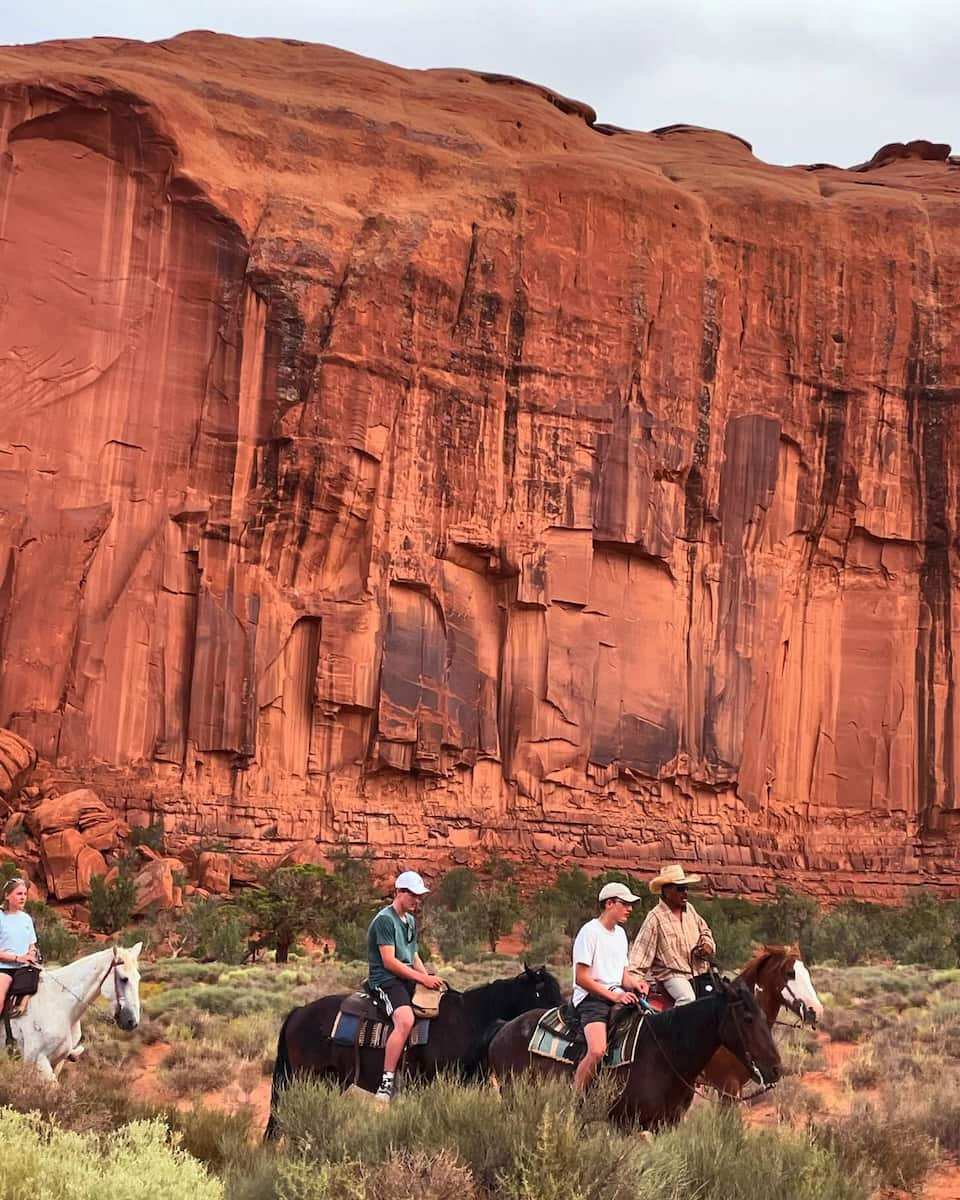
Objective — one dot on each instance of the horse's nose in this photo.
(128, 1021)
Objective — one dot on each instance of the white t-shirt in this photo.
(17, 934)
(605, 952)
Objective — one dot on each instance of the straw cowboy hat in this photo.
(672, 874)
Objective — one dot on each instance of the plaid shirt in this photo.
(663, 946)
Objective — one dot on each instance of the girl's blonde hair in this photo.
(11, 886)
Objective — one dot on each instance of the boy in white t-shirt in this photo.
(600, 976)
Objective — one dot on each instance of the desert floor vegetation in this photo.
(187, 1094)
(870, 1101)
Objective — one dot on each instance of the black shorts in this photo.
(399, 993)
(592, 1009)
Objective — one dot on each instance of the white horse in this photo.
(49, 1032)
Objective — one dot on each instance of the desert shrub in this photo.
(932, 1105)
(789, 920)
(141, 1159)
(150, 836)
(455, 890)
(211, 1136)
(734, 925)
(251, 1036)
(182, 971)
(194, 1066)
(570, 900)
(214, 930)
(455, 936)
(57, 944)
(717, 1158)
(894, 1143)
(545, 939)
(86, 1103)
(111, 904)
(799, 1051)
(850, 933)
(796, 1103)
(17, 835)
(863, 1071)
(846, 1025)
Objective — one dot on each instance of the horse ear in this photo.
(527, 968)
(135, 950)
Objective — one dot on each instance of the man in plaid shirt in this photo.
(674, 942)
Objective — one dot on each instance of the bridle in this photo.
(734, 1003)
(793, 1002)
(111, 970)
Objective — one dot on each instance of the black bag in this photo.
(25, 981)
(705, 985)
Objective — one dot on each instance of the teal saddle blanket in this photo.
(559, 1036)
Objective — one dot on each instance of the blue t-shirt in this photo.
(388, 928)
(17, 934)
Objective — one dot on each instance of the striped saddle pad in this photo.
(360, 1024)
(561, 1039)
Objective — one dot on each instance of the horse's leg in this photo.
(45, 1068)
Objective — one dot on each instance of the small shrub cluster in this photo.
(142, 1159)
(111, 904)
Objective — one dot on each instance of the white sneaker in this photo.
(384, 1093)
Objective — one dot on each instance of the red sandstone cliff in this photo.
(399, 455)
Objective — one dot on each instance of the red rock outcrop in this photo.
(17, 761)
(402, 456)
(69, 864)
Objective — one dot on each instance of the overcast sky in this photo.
(807, 81)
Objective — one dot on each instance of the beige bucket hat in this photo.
(672, 874)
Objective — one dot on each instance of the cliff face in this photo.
(400, 456)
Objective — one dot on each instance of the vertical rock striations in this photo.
(402, 456)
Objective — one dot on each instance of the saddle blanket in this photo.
(360, 1023)
(562, 1039)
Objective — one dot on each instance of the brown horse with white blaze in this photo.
(779, 979)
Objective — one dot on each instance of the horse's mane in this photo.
(761, 956)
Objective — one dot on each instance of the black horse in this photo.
(458, 1035)
(672, 1050)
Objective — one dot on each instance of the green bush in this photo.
(139, 1160)
(455, 935)
(214, 930)
(111, 904)
(150, 836)
(57, 944)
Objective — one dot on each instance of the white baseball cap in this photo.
(410, 881)
(617, 891)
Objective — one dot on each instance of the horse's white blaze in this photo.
(49, 1033)
(801, 988)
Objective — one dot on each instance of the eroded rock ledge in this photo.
(398, 456)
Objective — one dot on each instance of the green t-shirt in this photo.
(388, 928)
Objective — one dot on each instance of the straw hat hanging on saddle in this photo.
(672, 874)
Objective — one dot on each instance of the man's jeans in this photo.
(680, 988)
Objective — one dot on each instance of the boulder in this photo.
(213, 872)
(308, 853)
(81, 810)
(17, 760)
(69, 864)
(155, 888)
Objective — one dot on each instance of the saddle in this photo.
(559, 1035)
(362, 1021)
(23, 985)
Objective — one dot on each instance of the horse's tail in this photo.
(282, 1078)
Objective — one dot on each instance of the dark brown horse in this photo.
(778, 978)
(672, 1050)
(458, 1035)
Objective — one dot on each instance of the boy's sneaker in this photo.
(384, 1092)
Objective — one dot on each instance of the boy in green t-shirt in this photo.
(396, 967)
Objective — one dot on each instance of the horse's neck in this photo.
(768, 996)
(83, 979)
(689, 1035)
